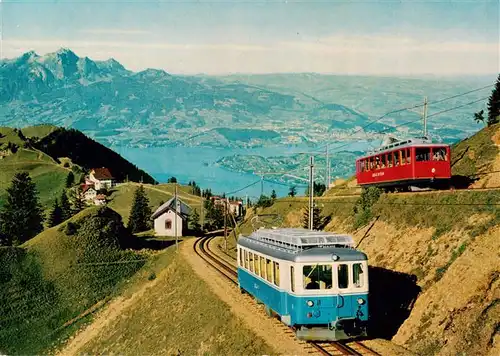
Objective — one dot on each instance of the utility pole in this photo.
(424, 115)
(261, 185)
(327, 172)
(175, 220)
(225, 224)
(201, 212)
(311, 191)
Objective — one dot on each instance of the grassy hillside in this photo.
(49, 177)
(123, 195)
(166, 315)
(47, 285)
(479, 156)
(47, 153)
(38, 130)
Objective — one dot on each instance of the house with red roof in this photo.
(88, 192)
(101, 178)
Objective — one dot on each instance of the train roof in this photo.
(301, 245)
(419, 141)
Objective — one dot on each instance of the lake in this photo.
(199, 164)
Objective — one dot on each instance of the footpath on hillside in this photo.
(166, 310)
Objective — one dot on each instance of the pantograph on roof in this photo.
(294, 239)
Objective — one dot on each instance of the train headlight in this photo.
(361, 301)
(310, 303)
(335, 257)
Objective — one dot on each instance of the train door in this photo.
(344, 307)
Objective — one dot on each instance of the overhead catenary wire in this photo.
(407, 109)
(335, 149)
(435, 114)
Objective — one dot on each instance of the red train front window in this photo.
(439, 154)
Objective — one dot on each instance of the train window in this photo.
(246, 259)
(251, 261)
(269, 270)
(343, 276)
(292, 279)
(389, 158)
(377, 162)
(357, 275)
(317, 277)
(408, 156)
(276, 271)
(422, 154)
(241, 257)
(384, 161)
(262, 267)
(403, 157)
(439, 154)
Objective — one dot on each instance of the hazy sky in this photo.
(349, 37)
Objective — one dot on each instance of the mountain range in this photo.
(154, 108)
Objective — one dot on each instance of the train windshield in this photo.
(357, 275)
(317, 276)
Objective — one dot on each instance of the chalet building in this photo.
(166, 217)
(101, 178)
(234, 207)
(88, 192)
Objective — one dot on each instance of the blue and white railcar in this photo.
(313, 280)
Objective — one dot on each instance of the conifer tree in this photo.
(76, 200)
(494, 104)
(273, 195)
(56, 215)
(140, 212)
(292, 192)
(70, 179)
(194, 222)
(21, 216)
(319, 222)
(65, 207)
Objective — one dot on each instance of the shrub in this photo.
(363, 207)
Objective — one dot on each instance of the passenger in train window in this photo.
(439, 155)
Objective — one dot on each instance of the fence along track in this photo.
(223, 267)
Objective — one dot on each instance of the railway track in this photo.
(423, 192)
(228, 270)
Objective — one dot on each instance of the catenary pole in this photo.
(311, 191)
(225, 224)
(175, 220)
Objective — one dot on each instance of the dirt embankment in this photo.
(435, 294)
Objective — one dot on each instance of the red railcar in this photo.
(413, 162)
